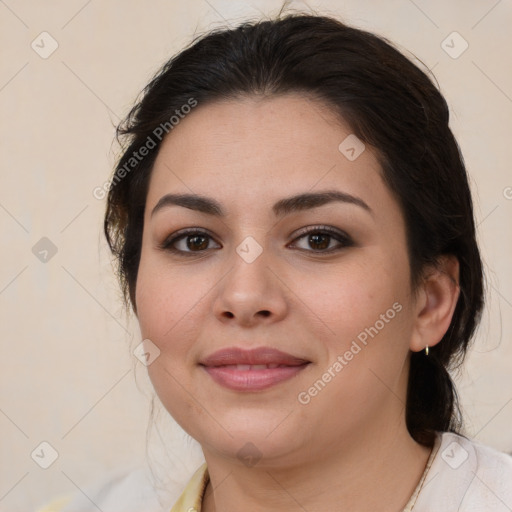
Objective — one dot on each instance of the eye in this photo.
(188, 241)
(324, 239)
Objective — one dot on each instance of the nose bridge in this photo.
(250, 275)
(250, 289)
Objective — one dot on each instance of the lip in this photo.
(222, 367)
(261, 355)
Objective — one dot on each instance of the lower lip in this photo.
(252, 380)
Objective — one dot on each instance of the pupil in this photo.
(317, 239)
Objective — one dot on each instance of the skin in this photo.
(348, 448)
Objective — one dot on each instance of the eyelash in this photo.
(338, 235)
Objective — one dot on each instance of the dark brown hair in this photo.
(389, 103)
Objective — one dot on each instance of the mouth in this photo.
(246, 367)
(244, 377)
(252, 370)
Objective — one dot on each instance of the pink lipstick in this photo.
(252, 370)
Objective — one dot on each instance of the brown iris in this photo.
(198, 242)
(321, 240)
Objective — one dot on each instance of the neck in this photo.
(376, 471)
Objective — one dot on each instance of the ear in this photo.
(435, 303)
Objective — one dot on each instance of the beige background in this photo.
(67, 375)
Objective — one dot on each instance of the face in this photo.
(324, 280)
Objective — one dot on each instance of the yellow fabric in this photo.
(56, 505)
(192, 497)
(189, 501)
(414, 497)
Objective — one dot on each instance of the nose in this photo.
(251, 293)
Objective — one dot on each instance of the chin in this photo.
(260, 443)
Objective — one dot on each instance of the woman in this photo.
(295, 234)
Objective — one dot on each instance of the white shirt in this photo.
(466, 476)
(463, 476)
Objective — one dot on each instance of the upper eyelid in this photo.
(302, 231)
(318, 227)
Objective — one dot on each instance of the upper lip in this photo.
(262, 355)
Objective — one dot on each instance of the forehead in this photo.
(252, 151)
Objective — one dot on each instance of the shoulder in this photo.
(488, 457)
(467, 476)
(490, 465)
(121, 490)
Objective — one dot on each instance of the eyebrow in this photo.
(281, 208)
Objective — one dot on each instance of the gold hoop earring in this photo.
(426, 350)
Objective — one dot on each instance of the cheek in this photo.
(367, 308)
(173, 302)
(163, 299)
(353, 299)
(166, 310)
